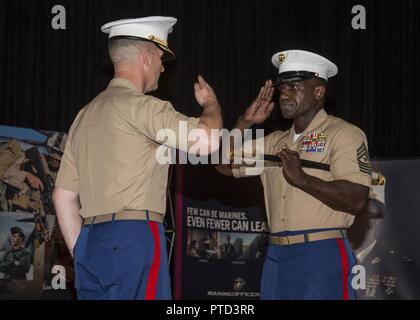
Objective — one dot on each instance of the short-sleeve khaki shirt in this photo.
(110, 154)
(328, 140)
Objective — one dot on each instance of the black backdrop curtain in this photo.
(47, 75)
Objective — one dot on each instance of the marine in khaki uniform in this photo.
(308, 208)
(110, 189)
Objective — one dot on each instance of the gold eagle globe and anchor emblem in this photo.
(282, 58)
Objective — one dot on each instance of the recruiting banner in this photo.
(34, 261)
(220, 247)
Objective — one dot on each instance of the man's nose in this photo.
(284, 95)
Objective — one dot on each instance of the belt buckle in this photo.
(284, 241)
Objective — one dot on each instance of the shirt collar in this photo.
(316, 122)
(122, 82)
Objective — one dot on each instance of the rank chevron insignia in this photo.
(363, 159)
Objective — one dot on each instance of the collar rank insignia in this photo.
(314, 142)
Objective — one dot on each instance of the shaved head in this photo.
(138, 61)
(317, 82)
(126, 50)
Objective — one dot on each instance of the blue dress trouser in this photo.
(122, 260)
(318, 270)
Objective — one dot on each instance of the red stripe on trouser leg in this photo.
(345, 268)
(154, 269)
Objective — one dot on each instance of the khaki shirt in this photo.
(110, 153)
(11, 159)
(327, 140)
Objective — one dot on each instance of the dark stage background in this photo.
(47, 75)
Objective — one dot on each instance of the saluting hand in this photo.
(260, 109)
(204, 93)
(292, 167)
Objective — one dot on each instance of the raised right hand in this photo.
(204, 93)
(260, 109)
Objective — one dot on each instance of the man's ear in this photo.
(319, 92)
(146, 57)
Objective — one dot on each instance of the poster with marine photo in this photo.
(17, 255)
(384, 240)
(29, 163)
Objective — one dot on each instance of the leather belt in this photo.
(308, 237)
(126, 215)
